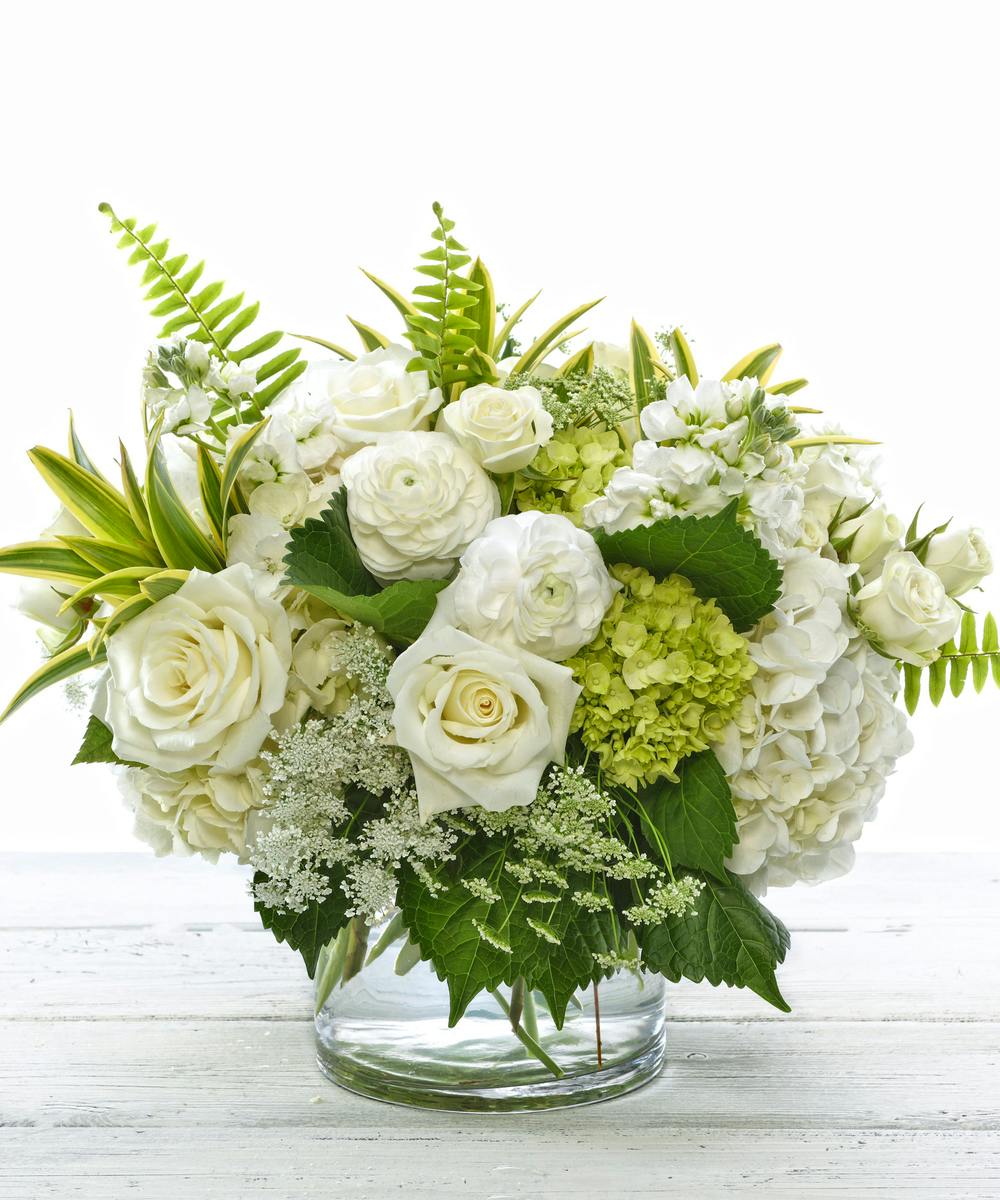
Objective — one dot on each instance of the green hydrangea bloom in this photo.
(664, 676)
(574, 468)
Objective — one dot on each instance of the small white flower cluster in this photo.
(705, 447)
(602, 397)
(182, 383)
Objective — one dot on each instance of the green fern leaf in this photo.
(207, 315)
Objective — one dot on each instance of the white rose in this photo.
(833, 480)
(874, 534)
(612, 357)
(415, 502)
(960, 558)
(194, 679)
(908, 610)
(480, 724)
(194, 811)
(532, 579)
(371, 396)
(501, 429)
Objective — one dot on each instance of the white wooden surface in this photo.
(154, 1042)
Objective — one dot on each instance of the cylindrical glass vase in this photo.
(382, 1030)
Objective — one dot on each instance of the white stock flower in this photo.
(194, 679)
(304, 415)
(415, 502)
(907, 610)
(502, 429)
(273, 456)
(316, 664)
(533, 579)
(260, 538)
(192, 811)
(960, 558)
(371, 396)
(234, 379)
(834, 480)
(480, 724)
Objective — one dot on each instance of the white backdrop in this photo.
(819, 174)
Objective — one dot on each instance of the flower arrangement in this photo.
(554, 658)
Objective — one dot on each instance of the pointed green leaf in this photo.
(694, 817)
(758, 364)
(510, 324)
(182, 544)
(550, 338)
(642, 356)
(683, 358)
(53, 670)
(47, 560)
(91, 500)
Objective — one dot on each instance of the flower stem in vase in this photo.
(526, 1040)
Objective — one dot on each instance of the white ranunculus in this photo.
(371, 396)
(534, 580)
(960, 558)
(193, 811)
(502, 429)
(480, 724)
(194, 679)
(415, 502)
(908, 610)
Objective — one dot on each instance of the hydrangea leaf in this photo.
(723, 560)
(555, 956)
(323, 560)
(96, 745)
(309, 931)
(694, 816)
(322, 553)
(731, 938)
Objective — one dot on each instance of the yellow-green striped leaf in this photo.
(509, 325)
(758, 364)
(124, 612)
(484, 313)
(402, 305)
(123, 583)
(788, 388)
(93, 502)
(46, 560)
(162, 584)
(182, 544)
(231, 468)
(134, 498)
(77, 452)
(210, 486)
(580, 363)
(683, 358)
(371, 339)
(318, 341)
(61, 666)
(642, 355)
(550, 338)
(103, 555)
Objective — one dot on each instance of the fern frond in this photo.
(445, 327)
(204, 312)
(950, 672)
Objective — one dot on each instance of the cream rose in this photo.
(194, 679)
(501, 429)
(534, 580)
(194, 811)
(907, 610)
(960, 559)
(480, 724)
(361, 400)
(415, 502)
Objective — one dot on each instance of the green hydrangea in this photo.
(571, 470)
(664, 676)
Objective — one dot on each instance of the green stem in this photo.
(527, 1041)
(530, 1014)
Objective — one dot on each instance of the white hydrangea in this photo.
(809, 754)
(705, 447)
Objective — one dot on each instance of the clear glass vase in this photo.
(382, 1030)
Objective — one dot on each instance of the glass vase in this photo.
(382, 1031)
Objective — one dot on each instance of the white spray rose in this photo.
(480, 724)
(907, 610)
(194, 679)
(193, 811)
(369, 397)
(534, 580)
(960, 558)
(874, 535)
(501, 429)
(415, 502)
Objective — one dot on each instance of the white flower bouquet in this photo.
(544, 661)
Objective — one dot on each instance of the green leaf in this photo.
(485, 312)
(371, 339)
(399, 612)
(642, 356)
(96, 745)
(47, 560)
(402, 305)
(90, 499)
(550, 338)
(510, 325)
(721, 559)
(321, 552)
(580, 363)
(308, 932)
(53, 670)
(731, 938)
(695, 816)
(104, 556)
(788, 388)
(911, 687)
(180, 540)
(318, 341)
(759, 364)
(77, 452)
(683, 358)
